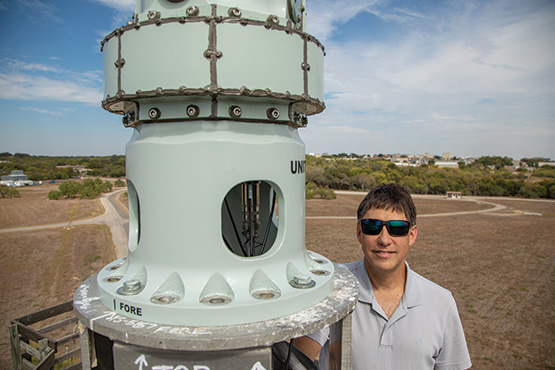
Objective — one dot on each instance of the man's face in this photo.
(383, 253)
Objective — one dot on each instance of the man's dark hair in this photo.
(389, 197)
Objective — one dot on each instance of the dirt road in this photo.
(114, 217)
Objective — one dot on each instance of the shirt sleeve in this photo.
(321, 336)
(454, 353)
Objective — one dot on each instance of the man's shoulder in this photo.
(429, 287)
(355, 266)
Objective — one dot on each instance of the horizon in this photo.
(470, 78)
(548, 159)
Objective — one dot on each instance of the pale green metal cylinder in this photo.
(215, 94)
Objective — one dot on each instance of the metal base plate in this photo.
(100, 319)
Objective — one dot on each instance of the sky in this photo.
(467, 77)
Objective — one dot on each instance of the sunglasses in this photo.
(371, 226)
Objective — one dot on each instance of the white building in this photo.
(15, 179)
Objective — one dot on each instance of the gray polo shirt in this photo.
(424, 332)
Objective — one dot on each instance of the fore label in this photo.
(127, 308)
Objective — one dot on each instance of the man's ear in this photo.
(359, 232)
(413, 233)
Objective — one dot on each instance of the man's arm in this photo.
(308, 346)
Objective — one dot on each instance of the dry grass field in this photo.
(42, 268)
(34, 208)
(499, 265)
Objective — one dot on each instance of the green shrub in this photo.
(8, 192)
(54, 195)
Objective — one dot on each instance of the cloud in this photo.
(325, 16)
(32, 81)
(59, 112)
(458, 72)
(121, 5)
(27, 87)
(46, 11)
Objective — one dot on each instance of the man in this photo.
(401, 320)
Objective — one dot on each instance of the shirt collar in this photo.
(412, 296)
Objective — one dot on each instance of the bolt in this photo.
(235, 111)
(192, 11)
(272, 113)
(165, 298)
(193, 111)
(216, 300)
(266, 294)
(113, 279)
(234, 12)
(320, 272)
(132, 285)
(153, 14)
(302, 280)
(154, 113)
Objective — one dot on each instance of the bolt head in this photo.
(132, 285)
(192, 11)
(302, 279)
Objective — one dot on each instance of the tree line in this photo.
(42, 168)
(88, 189)
(486, 176)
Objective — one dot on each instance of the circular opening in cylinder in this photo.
(250, 218)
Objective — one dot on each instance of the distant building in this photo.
(16, 178)
(81, 169)
(454, 195)
(451, 164)
(405, 164)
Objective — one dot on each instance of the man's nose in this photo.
(384, 238)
